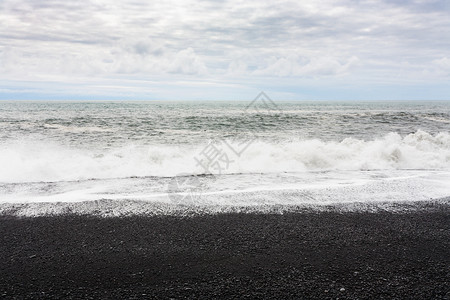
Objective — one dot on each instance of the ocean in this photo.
(213, 156)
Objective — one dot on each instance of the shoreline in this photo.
(309, 254)
(129, 208)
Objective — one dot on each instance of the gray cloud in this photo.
(224, 39)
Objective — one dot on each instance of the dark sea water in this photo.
(259, 153)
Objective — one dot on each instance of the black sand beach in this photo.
(352, 255)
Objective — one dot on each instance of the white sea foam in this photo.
(36, 161)
(350, 190)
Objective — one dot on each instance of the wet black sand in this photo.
(352, 255)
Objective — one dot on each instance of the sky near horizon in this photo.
(225, 50)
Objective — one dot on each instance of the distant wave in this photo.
(34, 161)
(76, 129)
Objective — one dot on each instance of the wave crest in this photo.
(41, 161)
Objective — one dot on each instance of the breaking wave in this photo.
(35, 161)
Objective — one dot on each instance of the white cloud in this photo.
(439, 67)
(313, 67)
(442, 63)
(187, 62)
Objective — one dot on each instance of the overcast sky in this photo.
(137, 49)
